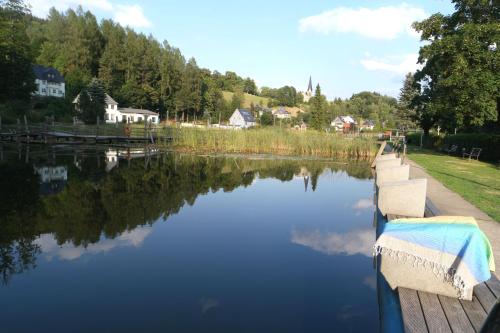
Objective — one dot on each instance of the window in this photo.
(54, 91)
(153, 119)
(44, 90)
(107, 116)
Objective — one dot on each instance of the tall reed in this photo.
(272, 141)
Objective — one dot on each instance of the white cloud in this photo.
(132, 16)
(398, 65)
(68, 251)
(41, 8)
(351, 243)
(363, 204)
(380, 23)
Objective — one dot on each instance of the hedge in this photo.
(489, 143)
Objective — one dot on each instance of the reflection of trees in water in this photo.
(129, 196)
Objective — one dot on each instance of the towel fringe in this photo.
(448, 274)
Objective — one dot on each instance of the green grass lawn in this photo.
(228, 95)
(477, 182)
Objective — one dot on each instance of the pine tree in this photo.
(406, 112)
(91, 102)
(319, 119)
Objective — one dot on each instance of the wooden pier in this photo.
(424, 312)
(55, 133)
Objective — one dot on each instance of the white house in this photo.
(49, 82)
(114, 114)
(343, 122)
(281, 113)
(242, 118)
(368, 125)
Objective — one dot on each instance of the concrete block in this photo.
(389, 156)
(393, 162)
(405, 197)
(393, 174)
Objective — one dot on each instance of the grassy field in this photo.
(272, 141)
(477, 182)
(248, 99)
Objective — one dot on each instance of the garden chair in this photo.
(452, 149)
(474, 153)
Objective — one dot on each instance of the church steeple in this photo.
(310, 86)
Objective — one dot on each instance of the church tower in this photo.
(308, 94)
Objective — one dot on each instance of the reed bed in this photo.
(272, 141)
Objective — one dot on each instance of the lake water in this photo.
(110, 240)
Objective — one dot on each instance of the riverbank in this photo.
(272, 141)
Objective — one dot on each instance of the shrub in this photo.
(489, 143)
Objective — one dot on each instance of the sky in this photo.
(345, 46)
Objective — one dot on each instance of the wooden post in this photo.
(18, 129)
(97, 129)
(145, 127)
(26, 129)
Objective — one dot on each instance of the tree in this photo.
(91, 102)
(266, 119)
(319, 119)
(406, 111)
(16, 72)
(237, 100)
(460, 78)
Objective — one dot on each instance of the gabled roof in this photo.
(281, 111)
(247, 115)
(369, 122)
(107, 99)
(48, 74)
(110, 100)
(139, 111)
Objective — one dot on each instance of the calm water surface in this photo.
(110, 240)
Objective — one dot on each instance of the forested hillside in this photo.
(137, 70)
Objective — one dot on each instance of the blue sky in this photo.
(346, 46)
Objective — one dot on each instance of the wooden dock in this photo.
(84, 134)
(424, 312)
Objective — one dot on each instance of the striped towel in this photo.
(452, 246)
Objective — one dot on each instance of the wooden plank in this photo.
(475, 312)
(380, 151)
(433, 313)
(413, 317)
(494, 285)
(455, 313)
(485, 296)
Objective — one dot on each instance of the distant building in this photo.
(343, 123)
(53, 179)
(309, 92)
(300, 127)
(49, 82)
(367, 125)
(242, 118)
(114, 114)
(281, 113)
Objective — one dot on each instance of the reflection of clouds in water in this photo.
(68, 251)
(351, 243)
(371, 282)
(207, 304)
(363, 204)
